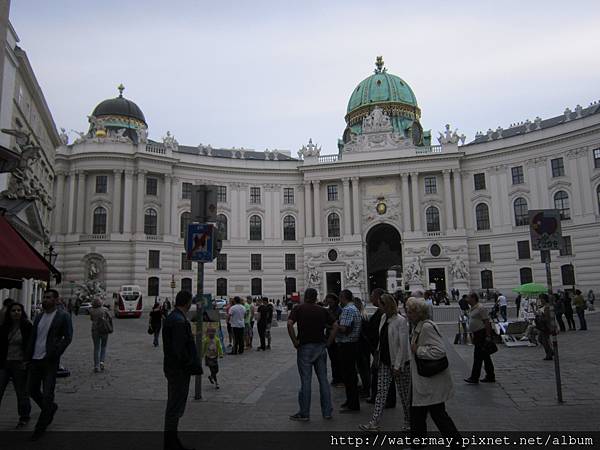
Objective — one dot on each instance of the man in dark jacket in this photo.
(52, 333)
(180, 363)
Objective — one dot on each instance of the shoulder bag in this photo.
(430, 367)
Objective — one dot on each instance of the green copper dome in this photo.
(381, 87)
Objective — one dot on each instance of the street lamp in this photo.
(50, 256)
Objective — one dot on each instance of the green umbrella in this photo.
(531, 288)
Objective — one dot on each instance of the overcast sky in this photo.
(271, 74)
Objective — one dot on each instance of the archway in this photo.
(384, 252)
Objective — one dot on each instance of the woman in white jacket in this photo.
(394, 357)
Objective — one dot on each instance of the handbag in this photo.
(150, 329)
(489, 347)
(430, 367)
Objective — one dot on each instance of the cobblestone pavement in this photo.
(259, 389)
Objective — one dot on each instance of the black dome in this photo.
(119, 106)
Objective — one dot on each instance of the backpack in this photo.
(104, 324)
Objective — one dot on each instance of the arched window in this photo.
(525, 275)
(432, 217)
(521, 212)
(333, 225)
(151, 222)
(482, 216)
(255, 228)
(99, 225)
(289, 228)
(222, 226)
(256, 286)
(153, 287)
(186, 284)
(561, 202)
(487, 279)
(186, 219)
(221, 287)
(567, 273)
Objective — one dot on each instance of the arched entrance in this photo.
(384, 252)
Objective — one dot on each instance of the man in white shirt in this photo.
(503, 303)
(236, 319)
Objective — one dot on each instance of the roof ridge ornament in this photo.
(121, 88)
(379, 64)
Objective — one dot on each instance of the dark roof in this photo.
(119, 106)
(229, 153)
(521, 128)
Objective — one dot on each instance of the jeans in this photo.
(309, 356)
(348, 356)
(480, 357)
(156, 337)
(41, 384)
(100, 341)
(262, 331)
(238, 341)
(503, 313)
(418, 419)
(178, 387)
(278, 316)
(581, 316)
(14, 370)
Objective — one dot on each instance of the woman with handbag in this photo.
(101, 328)
(393, 364)
(431, 381)
(481, 328)
(156, 316)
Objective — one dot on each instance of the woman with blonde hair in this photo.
(432, 383)
(393, 361)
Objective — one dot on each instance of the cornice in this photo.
(559, 184)
(481, 196)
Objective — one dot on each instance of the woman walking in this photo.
(429, 393)
(481, 327)
(14, 336)
(278, 310)
(393, 364)
(156, 316)
(100, 330)
(545, 326)
(559, 310)
(569, 311)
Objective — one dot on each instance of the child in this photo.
(212, 350)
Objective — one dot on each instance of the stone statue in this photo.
(93, 271)
(142, 135)
(459, 269)
(377, 121)
(353, 271)
(450, 137)
(309, 150)
(170, 142)
(313, 275)
(64, 137)
(414, 271)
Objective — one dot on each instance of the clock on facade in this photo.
(381, 208)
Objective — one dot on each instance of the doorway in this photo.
(334, 282)
(384, 252)
(438, 277)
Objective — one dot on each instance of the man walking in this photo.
(503, 303)
(265, 314)
(346, 335)
(52, 333)
(311, 349)
(236, 318)
(180, 362)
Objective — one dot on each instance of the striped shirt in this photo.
(350, 318)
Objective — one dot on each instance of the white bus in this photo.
(128, 302)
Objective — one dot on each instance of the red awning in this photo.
(18, 259)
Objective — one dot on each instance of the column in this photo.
(166, 212)
(58, 201)
(233, 223)
(268, 230)
(496, 203)
(575, 195)
(347, 224)
(139, 201)
(80, 203)
(301, 204)
(506, 206)
(116, 208)
(532, 181)
(405, 203)
(458, 198)
(175, 230)
(244, 221)
(308, 211)
(416, 205)
(317, 206)
(584, 180)
(448, 200)
(277, 225)
(542, 176)
(128, 201)
(356, 205)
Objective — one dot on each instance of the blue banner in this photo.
(199, 244)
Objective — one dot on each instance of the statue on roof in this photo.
(170, 142)
(64, 137)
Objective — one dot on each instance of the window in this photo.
(290, 261)
(255, 195)
(558, 167)
(101, 184)
(288, 196)
(485, 253)
(153, 287)
(289, 228)
(151, 186)
(221, 287)
(561, 202)
(479, 181)
(517, 175)
(487, 280)
(222, 261)
(186, 191)
(567, 273)
(255, 261)
(256, 286)
(430, 185)
(290, 285)
(255, 228)
(186, 219)
(332, 192)
(186, 284)
(99, 222)
(222, 226)
(597, 158)
(521, 212)
(523, 250)
(333, 225)
(222, 194)
(482, 216)
(525, 275)
(566, 248)
(186, 264)
(432, 216)
(151, 222)
(154, 259)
